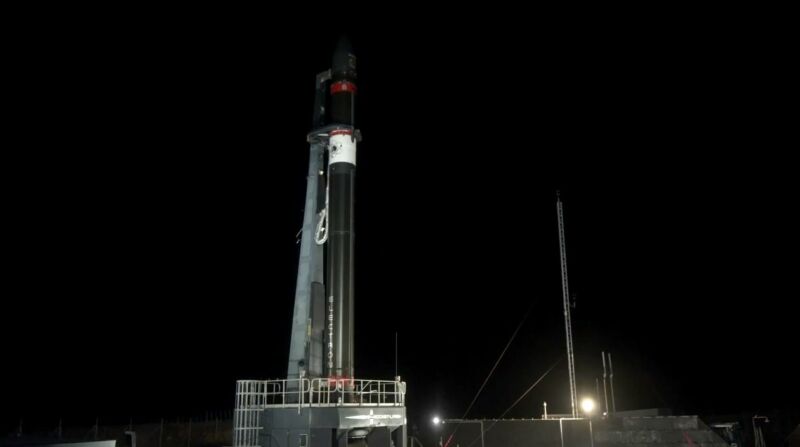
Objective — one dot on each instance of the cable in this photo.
(321, 235)
(502, 354)
(322, 229)
(520, 398)
(531, 387)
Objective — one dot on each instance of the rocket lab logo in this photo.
(372, 417)
(330, 332)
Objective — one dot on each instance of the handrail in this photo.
(252, 394)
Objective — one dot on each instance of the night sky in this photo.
(155, 185)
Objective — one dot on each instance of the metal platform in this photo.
(319, 413)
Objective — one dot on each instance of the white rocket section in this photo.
(342, 149)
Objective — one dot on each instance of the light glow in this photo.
(587, 405)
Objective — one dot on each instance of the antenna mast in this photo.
(567, 319)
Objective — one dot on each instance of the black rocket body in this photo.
(341, 212)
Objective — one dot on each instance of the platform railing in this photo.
(257, 394)
(253, 396)
(356, 392)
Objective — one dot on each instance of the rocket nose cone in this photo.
(344, 61)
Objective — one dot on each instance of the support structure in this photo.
(306, 351)
(605, 376)
(611, 382)
(567, 317)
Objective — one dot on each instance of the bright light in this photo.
(587, 405)
(436, 420)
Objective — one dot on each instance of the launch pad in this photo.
(319, 413)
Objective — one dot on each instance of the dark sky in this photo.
(154, 185)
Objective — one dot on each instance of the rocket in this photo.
(320, 376)
(341, 209)
(322, 328)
